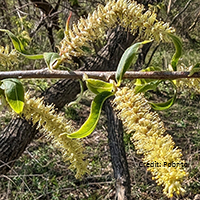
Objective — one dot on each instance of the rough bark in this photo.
(19, 133)
(13, 141)
(51, 19)
(49, 11)
(118, 154)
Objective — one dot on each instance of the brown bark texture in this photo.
(118, 154)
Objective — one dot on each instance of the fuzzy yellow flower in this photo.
(160, 156)
(8, 58)
(188, 84)
(128, 14)
(56, 127)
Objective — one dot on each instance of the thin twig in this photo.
(186, 6)
(102, 75)
(154, 51)
(195, 22)
(19, 177)
(169, 6)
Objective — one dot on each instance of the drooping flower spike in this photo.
(150, 139)
(54, 125)
(128, 14)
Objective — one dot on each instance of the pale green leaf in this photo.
(147, 86)
(16, 42)
(52, 59)
(98, 86)
(167, 104)
(33, 57)
(143, 85)
(163, 105)
(128, 58)
(14, 93)
(178, 46)
(19, 46)
(195, 69)
(88, 127)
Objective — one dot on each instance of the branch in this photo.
(186, 6)
(45, 73)
(195, 22)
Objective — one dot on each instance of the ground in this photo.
(40, 173)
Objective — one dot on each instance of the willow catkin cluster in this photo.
(150, 139)
(56, 127)
(188, 84)
(7, 57)
(129, 14)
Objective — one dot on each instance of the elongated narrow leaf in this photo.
(16, 42)
(194, 69)
(128, 58)
(51, 59)
(33, 57)
(147, 86)
(163, 105)
(19, 46)
(178, 45)
(14, 93)
(167, 104)
(88, 127)
(97, 86)
(143, 85)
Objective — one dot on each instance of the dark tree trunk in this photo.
(13, 141)
(51, 21)
(118, 154)
(49, 11)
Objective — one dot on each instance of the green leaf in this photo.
(178, 45)
(147, 86)
(195, 69)
(165, 105)
(14, 93)
(19, 46)
(98, 86)
(1, 90)
(33, 57)
(16, 42)
(128, 57)
(52, 59)
(143, 85)
(88, 127)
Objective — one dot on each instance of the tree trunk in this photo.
(118, 154)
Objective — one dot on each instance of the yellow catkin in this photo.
(188, 84)
(128, 14)
(56, 127)
(8, 58)
(150, 140)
